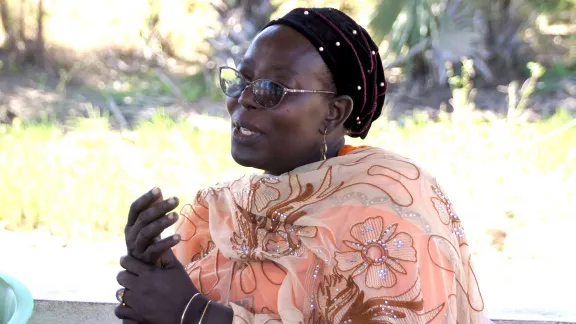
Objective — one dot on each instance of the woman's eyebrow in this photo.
(276, 68)
(284, 68)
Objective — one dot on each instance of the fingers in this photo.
(133, 265)
(141, 204)
(124, 312)
(153, 213)
(126, 280)
(146, 236)
(158, 249)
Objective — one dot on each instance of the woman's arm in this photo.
(155, 289)
(202, 312)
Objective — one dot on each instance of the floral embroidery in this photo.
(247, 243)
(340, 300)
(252, 237)
(447, 215)
(203, 251)
(289, 241)
(376, 251)
(265, 193)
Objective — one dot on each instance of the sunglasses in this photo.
(267, 93)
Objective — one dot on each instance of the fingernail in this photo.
(172, 201)
(176, 237)
(156, 191)
(171, 216)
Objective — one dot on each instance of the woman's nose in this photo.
(246, 98)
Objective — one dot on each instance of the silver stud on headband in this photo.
(358, 121)
(381, 84)
(321, 49)
(306, 12)
(337, 43)
(373, 53)
(354, 32)
(359, 88)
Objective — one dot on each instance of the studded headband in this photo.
(351, 56)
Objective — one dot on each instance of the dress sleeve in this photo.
(193, 228)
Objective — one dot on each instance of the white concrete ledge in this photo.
(63, 312)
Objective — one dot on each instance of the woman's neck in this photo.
(333, 150)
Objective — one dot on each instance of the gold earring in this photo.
(324, 148)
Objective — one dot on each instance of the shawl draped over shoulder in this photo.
(365, 237)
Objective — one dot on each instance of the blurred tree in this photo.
(426, 34)
(10, 41)
(158, 46)
(553, 6)
(21, 47)
(239, 21)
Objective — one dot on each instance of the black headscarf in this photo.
(352, 57)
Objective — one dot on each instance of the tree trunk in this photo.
(39, 57)
(22, 22)
(508, 52)
(6, 25)
(24, 49)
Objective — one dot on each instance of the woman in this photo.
(329, 233)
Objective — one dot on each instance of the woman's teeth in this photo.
(246, 132)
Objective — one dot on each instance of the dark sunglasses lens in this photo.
(268, 93)
(231, 82)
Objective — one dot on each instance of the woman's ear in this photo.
(339, 111)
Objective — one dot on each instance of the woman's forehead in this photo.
(281, 49)
(284, 67)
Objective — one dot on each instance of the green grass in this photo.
(80, 183)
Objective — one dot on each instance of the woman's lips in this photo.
(245, 134)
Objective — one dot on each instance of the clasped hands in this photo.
(157, 287)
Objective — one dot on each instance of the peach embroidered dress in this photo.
(365, 237)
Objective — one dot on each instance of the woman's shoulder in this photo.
(375, 154)
(370, 172)
(387, 180)
(381, 166)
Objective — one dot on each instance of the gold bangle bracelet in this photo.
(186, 309)
(204, 312)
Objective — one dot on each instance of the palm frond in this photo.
(384, 17)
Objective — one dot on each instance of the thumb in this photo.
(161, 252)
(168, 259)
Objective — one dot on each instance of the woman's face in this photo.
(291, 134)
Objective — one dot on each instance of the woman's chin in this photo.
(247, 159)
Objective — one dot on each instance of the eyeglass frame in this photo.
(250, 83)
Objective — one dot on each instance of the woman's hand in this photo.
(154, 295)
(157, 287)
(147, 219)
